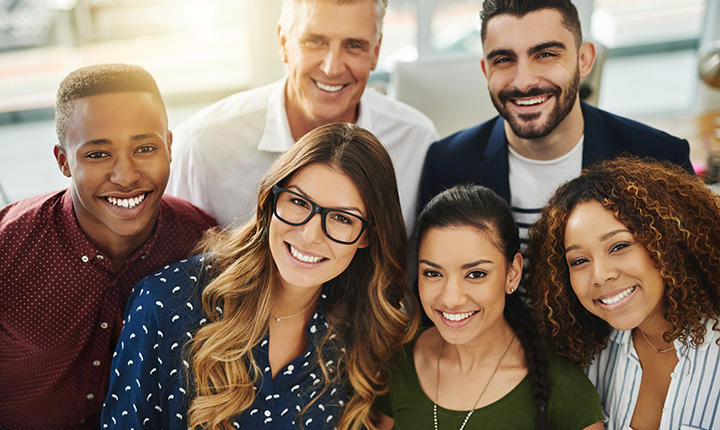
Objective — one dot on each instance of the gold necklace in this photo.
(657, 350)
(437, 388)
(278, 319)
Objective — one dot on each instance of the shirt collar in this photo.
(86, 250)
(277, 137)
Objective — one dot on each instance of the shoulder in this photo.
(226, 114)
(397, 112)
(30, 213)
(628, 132)
(473, 138)
(175, 287)
(184, 214)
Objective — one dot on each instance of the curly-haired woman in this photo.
(625, 273)
(286, 321)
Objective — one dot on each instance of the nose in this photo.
(603, 272)
(452, 295)
(526, 75)
(312, 231)
(125, 171)
(333, 63)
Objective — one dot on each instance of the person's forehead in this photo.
(321, 16)
(532, 28)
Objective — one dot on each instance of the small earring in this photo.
(512, 290)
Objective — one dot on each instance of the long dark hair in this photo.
(481, 208)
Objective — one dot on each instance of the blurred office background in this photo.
(202, 50)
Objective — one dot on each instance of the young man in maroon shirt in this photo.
(69, 259)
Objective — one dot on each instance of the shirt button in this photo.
(144, 256)
(672, 375)
(96, 363)
(85, 259)
(82, 421)
(103, 325)
(90, 396)
(100, 257)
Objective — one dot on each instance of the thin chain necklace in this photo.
(437, 388)
(278, 319)
(658, 350)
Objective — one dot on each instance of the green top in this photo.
(574, 403)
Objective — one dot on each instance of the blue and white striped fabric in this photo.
(693, 399)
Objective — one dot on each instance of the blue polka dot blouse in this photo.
(148, 386)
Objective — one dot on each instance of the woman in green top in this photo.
(482, 365)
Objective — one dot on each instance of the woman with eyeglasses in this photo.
(285, 322)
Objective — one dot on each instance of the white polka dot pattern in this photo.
(61, 307)
(148, 381)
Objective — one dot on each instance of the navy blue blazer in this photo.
(479, 155)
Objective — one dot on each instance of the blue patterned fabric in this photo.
(148, 386)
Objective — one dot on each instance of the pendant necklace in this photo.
(278, 319)
(437, 388)
(657, 350)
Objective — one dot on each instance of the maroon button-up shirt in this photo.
(62, 306)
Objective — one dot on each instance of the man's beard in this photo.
(521, 124)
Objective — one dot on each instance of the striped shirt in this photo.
(693, 398)
(533, 182)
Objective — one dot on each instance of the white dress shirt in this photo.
(220, 153)
(693, 398)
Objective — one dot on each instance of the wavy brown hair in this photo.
(364, 307)
(670, 212)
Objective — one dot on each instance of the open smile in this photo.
(303, 258)
(532, 101)
(329, 88)
(126, 202)
(456, 319)
(616, 298)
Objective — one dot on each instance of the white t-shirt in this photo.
(533, 182)
(220, 153)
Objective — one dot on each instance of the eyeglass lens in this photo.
(341, 226)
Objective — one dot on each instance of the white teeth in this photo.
(305, 258)
(530, 102)
(126, 203)
(613, 300)
(457, 317)
(330, 88)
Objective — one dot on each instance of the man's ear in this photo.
(586, 58)
(282, 40)
(62, 160)
(169, 143)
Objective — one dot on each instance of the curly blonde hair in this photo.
(670, 212)
(364, 307)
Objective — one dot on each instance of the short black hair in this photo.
(102, 79)
(520, 8)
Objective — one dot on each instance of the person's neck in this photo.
(485, 351)
(556, 144)
(654, 328)
(301, 124)
(292, 300)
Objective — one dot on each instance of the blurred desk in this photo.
(702, 131)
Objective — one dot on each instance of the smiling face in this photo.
(463, 279)
(117, 155)
(612, 274)
(533, 68)
(330, 50)
(304, 255)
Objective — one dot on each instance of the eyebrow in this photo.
(603, 238)
(534, 50)
(464, 266)
(343, 208)
(135, 137)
